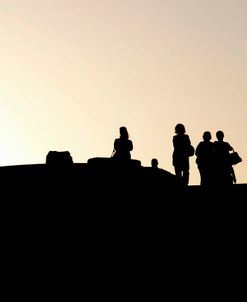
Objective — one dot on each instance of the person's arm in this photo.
(230, 148)
(174, 141)
(189, 142)
(114, 149)
(115, 146)
(234, 176)
(130, 145)
(197, 152)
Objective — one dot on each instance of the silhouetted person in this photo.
(160, 178)
(154, 163)
(224, 171)
(122, 145)
(180, 157)
(204, 159)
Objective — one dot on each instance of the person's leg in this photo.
(178, 172)
(186, 175)
(201, 176)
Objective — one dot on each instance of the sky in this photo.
(72, 72)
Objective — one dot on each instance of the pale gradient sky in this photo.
(74, 71)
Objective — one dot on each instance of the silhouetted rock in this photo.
(59, 158)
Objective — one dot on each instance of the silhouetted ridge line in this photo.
(108, 180)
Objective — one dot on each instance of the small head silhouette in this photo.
(220, 135)
(154, 163)
(207, 136)
(180, 129)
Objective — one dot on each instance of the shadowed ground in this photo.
(103, 190)
(105, 179)
(104, 220)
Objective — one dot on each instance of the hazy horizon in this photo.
(73, 72)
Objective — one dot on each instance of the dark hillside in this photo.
(103, 218)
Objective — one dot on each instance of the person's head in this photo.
(220, 135)
(207, 136)
(123, 132)
(154, 163)
(180, 129)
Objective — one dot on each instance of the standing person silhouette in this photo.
(204, 159)
(180, 157)
(225, 175)
(122, 145)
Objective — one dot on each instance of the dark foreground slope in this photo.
(102, 191)
(99, 179)
(104, 180)
(108, 227)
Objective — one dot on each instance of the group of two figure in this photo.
(212, 158)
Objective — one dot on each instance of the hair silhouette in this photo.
(180, 129)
